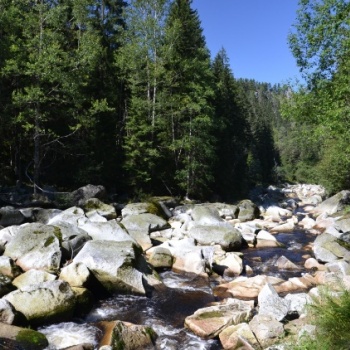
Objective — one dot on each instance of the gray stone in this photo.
(247, 210)
(266, 327)
(103, 209)
(298, 302)
(42, 303)
(36, 246)
(76, 274)
(10, 216)
(205, 215)
(112, 263)
(333, 204)
(32, 277)
(224, 234)
(271, 304)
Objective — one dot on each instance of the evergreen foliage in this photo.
(124, 94)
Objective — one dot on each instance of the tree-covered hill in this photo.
(125, 94)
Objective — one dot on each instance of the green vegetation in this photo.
(32, 339)
(124, 94)
(318, 113)
(330, 313)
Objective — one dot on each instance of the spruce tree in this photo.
(189, 113)
(231, 132)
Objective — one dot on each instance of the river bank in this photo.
(170, 276)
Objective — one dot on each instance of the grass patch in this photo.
(330, 313)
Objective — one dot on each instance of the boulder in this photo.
(246, 288)
(10, 216)
(271, 304)
(265, 239)
(36, 246)
(139, 227)
(282, 263)
(340, 267)
(113, 265)
(8, 267)
(32, 277)
(326, 248)
(224, 234)
(343, 225)
(83, 194)
(247, 210)
(209, 322)
(135, 209)
(265, 328)
(106, 231)
(205, 215)
(333, 204)
(126, 335)
(17, 338)
(7, 312)
(298, 302)
(45, 215)
(92, 205)
(237, 337)
(73, 215)
(6, 235)
(287, 226)
(161, 257)
(187, 257)
(42, 303)
(225, 211)
(229, 264)
(76, 274)
(276, 212)
(71, 246)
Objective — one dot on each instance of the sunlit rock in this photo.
(46, 302)
(239, 336)
(271, 304)
(210, 321)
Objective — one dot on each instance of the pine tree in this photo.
(189, 112)
(231, 132)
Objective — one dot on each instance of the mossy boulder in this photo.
(43, 303)
(17, 338)
(128, 336)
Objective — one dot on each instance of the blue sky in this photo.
(254, 34)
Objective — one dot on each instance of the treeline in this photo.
(317, 148)
(125, 94)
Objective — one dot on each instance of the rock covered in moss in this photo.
(128, 336)
(46, 302)
(17, 338)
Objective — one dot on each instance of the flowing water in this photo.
(182, 295)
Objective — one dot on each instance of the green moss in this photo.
(29, 337)
(209, 314)
(58, 233)
(49, 241)
(38, 232)
(149, 332)
(343, 244)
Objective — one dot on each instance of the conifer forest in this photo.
(127, 95)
